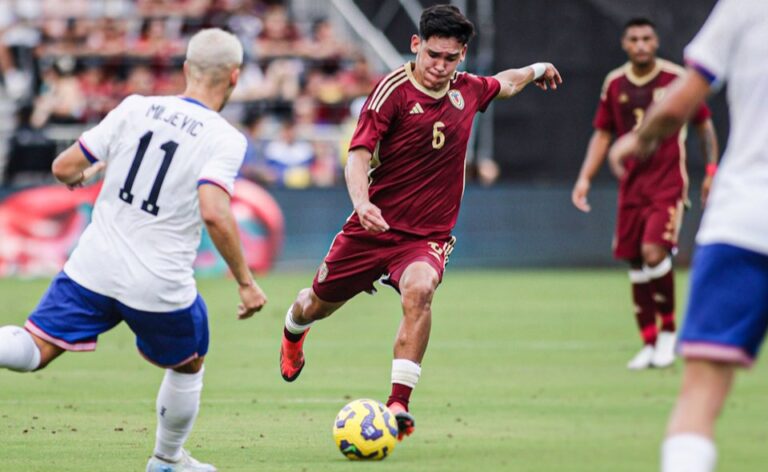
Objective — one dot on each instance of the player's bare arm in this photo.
(514, 80)
(72, 168)
(218, 218)
(596, 154)
(711, 152)
(356, 174)
(663, 119)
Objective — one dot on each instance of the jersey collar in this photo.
(638, 81)
(192, 100)
(432, 93)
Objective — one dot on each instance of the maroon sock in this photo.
(292, 337)
(645, 311)
(400, 394)
(664, 296)
(668, 322)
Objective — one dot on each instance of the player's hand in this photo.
(706, 185)
(371, 218)
(629, 145)
(252, 299)
(550, 79)
(579, 195)
(87, 174)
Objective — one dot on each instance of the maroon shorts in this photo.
(657, 223)
(357, 259)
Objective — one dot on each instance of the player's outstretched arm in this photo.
(596, 154)
(663, 119)
(72, 168)
(356, 174)
(512, 81)
(218, 218)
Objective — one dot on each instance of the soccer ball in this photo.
(365, 430)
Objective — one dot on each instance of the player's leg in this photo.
(628, 239)
(657, 265)
(351, 266)
(178, 403)
(68, 317)
(689, 444)
(305, 310)
(659, 242)
(417, 286)
(725, 324)
(645, 316)
(20, 352)
(176, 341)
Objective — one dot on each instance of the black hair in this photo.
(639, 21)
(445, 21)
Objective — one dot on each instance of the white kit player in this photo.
(170, 165)
(728, 305)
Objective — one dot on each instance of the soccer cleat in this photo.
(406, 424)
(292, 358)
(642, 359)
(187, 463)
(664, 353)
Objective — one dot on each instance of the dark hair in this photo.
(445, 21)
(639, 21)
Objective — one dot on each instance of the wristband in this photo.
(538, 70)
(711, 169)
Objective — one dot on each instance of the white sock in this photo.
(292, 326)
(18, 350)
(405, 372)
(688, 453)
(178, 402)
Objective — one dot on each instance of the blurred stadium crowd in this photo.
(65, 63)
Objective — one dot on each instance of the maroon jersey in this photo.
(623, 103)
(419, 139)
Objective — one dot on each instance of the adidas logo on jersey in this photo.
(417, 109)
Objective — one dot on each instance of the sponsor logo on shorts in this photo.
(322, 272)
(456, 99)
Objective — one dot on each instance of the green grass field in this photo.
(524, 372)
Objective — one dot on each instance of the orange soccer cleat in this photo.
(406, 424)
(292, 357)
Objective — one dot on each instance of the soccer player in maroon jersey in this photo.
(652, 193)
(413, 131)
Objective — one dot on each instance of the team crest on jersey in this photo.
(456, 99)
(623, 98)
(322, 272)
(658, 93)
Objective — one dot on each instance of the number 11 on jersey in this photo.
(150, 204)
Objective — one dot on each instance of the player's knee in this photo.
(653, 255)
(418, 292)
(192, 367)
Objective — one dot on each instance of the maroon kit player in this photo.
(652, 193)
(413, 132)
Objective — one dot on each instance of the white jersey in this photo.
(143, 238)
(733, 47)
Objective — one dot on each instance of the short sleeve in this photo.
(374, 122)
(711, 50)
(97, 142)
(227, 154)
(603, 117)
(488, 89)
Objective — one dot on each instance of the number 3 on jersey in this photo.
(438, 137)
(150, 204)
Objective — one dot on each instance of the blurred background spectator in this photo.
(64, 64)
